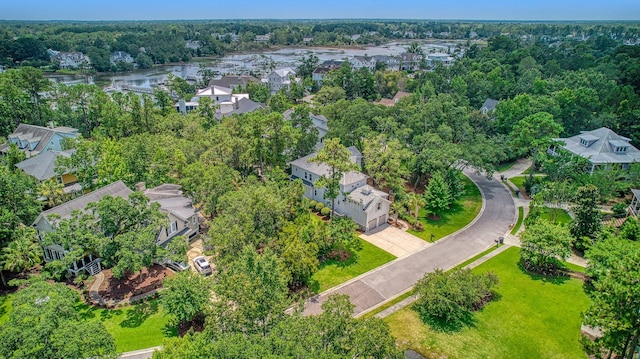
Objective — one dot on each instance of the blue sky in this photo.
(313, 9)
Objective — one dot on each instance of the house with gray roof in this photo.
(237, 107)
(489, 106)
(602, 147)
(233, 81)
(183, 217)
(634, 207)
(32, 139)
(368, 207)
(44, 223)
(281, 78)
(43, 167)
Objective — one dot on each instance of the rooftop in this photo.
(171, 200)
(42, 166)
(116, 189)
(322, 169)
(601, 147)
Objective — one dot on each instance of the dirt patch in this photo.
(119, 289)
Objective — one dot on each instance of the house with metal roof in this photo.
(602, 147)
(43, 167)
(32, 139)
(44, 224)
(182, 216)
(368, 207)
(489, 106)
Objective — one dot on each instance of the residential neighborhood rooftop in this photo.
(322, 169)
(171, 200)
(602, 146)
(42, 166)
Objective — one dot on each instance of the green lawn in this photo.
(332, 272)
(519, 222)
(459, 215)
(505, 166)
(134, 327)
(533, 317)
(555, 215)
(518, 181)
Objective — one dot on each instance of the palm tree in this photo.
(398, 207)
(23, 252)
(416, 201)
(53, 191)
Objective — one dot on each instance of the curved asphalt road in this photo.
(379, 285)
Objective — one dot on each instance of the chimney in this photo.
(51, 124)
(140, 187)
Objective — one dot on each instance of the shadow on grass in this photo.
(140, 313)
(448, 326)
(559, 278)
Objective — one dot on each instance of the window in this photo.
(315, 192)
(305, 175)
(194, 219)
(378, 207)
(173, 227)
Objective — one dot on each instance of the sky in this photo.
(314, 9)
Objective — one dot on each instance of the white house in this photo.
(69, 60)
(368, 207)
(281, 78)
(319, 122)
(358, 62)
(440, 57)
(602, 147)
(120, 56)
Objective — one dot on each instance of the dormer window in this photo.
(584, 143)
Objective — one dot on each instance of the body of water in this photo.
(239, 64)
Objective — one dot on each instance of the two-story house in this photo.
(392, 63)
(281, 78)
(601, 147)
(319, 122)
(120, 56)
(33, 140)
(489, 106)
(182, 219)
(44, 224)
(358, 62)
(70, 60)
(43, 167)
(368, 207)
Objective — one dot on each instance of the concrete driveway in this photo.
(385, 283)
(394, 240)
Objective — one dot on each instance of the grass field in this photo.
(555, 215)
(519, 182)
(533, 317)
(505, 166)
(519, 222)
(135, 327)
(332, 272)
(459, 215)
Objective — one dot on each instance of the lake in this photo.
(239, 64)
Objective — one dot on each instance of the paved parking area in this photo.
(394, 240)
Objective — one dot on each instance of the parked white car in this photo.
(202, 265)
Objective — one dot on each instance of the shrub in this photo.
(319, 206)
(453, 296)
(313, 204)
(619, 210)
(325, 211)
